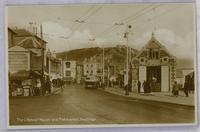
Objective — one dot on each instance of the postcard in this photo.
(94, 65)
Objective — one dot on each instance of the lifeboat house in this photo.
(155, 65)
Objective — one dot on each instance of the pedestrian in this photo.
(48, 85)
(61, 85)
(38, 87)
(175, 89)
(148, 86)
(144, 85)
(186, 87)
(139, 86)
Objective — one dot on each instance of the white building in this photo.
(89, 68)
(156, 66)
(69, 70)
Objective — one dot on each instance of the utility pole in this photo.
(42, 54)
(127, 60)
(103, 67)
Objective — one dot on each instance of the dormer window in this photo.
(153, 54)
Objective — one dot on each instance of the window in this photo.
(67, 73)
(67, 64)
(91, 71)
(91, 65)
(165, 59)
(142, 60)
(87, 71)
(153, 54)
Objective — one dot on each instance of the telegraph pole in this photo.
(127, 60)
(42, 54)
(103, 67)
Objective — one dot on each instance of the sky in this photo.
(81, 26)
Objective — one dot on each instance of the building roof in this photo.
(9, 29)
(154, 43)
(191, 74)
(29, 42)
(25, 33)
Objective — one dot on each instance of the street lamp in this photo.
(127, 60)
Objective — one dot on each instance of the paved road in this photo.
(77, 105)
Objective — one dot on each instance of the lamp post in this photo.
(127, 60)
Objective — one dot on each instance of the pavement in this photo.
(77, 105)
(165, 97)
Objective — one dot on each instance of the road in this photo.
(77, 105)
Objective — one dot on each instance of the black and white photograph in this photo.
(79, 65)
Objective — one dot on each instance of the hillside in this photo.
(115, 54)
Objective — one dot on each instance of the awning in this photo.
(20, 75)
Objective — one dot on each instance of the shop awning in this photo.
(21, 75)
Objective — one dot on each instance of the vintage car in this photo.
(91, 82)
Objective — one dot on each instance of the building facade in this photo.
(26, 61)
(69, 70)
(155, 65)
(54, 66)
(79, 73)
(90, 68)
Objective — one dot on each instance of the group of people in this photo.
(146, 86)
(175, 89)
(186, 89)
(39, 89)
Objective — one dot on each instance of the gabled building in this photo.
(31, 41)
(155, 65)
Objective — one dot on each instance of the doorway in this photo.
(154, 78)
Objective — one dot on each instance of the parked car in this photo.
(91, 82)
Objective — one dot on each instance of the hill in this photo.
(115, 55)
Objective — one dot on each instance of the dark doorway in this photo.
(154, 78)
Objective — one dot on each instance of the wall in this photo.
(18, 61)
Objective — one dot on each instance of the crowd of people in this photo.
(187, 88)
(39, 88)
